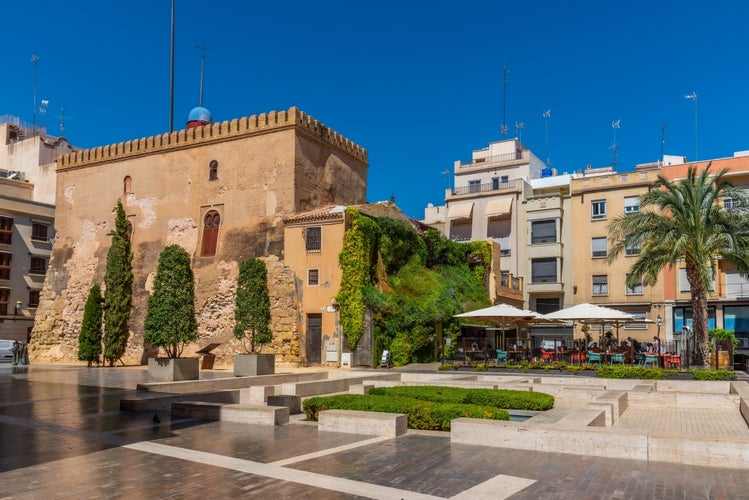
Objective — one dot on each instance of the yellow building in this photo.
(597, 197)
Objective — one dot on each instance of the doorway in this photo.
(313, 341)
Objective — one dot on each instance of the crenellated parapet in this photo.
(216, 132)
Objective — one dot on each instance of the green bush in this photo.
(498, 398)
(423, 415)
(640, 372)
(713, 374)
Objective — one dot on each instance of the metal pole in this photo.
(35, 60)
(171, 79)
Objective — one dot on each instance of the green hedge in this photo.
(713, 374)
(424, 415)
(498, 398)
(618, 371)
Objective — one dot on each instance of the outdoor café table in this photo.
(516, 355)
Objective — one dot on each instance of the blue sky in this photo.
(418, 84)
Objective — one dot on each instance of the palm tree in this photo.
(686, 222)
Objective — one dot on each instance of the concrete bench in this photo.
(243, 414)
(363, 422)
(293, 403)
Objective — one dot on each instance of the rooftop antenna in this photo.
(202, 69)
(61, 121)
(446, 173)
(43, 111)
(35, 60)
(519, 130)
(663, 139)
(547, 115)
(615, 125)
(171, 78)
(693, 97)
(503, 128)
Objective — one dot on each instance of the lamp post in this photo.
(18, 307)
(658, 322)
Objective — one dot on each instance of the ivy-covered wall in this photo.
(412, 283)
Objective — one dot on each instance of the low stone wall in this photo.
(363, 422)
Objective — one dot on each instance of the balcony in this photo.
(505, 160)
(514, 185)
(545, 250)
(509, 287)
(545, 287)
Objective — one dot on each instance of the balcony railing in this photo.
(493, 160)
(512, 185)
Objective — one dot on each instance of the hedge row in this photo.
(424, 415)
(713, 374)
(498, 398)
(640, 372)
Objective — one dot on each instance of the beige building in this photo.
(27, 191)
(221, 191)
(598, 197)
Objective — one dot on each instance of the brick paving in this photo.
(695, 422)
(64, 437)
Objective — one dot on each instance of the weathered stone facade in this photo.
(269, 166)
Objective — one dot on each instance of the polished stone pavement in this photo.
(62, 436)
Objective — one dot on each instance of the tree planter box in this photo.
(173, 369)
(250, 365)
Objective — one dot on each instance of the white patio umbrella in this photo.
(503, 314)
(592, 314)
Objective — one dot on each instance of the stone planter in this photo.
(173, 369)
(249, 365)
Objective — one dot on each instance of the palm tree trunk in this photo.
(699, 311)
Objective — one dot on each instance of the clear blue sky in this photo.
(418, 84)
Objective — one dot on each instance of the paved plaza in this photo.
(63, 436)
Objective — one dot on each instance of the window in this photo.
(731, 203)
(313, 277)
(598, 209)
(34, 298)
(632, 248)
(4, 299)
(39, 231)
(600, 284)
(6, 230)
(211, 224)
(504, 179)
(127, 184)
(631, 204)
(5, 259)
(544, 231)
(213, 170)
(683, 317)
(600, 247)
(684, 285)
(38, 265)
(474, 186)
(313, 238)
(546, 305)
(636, 325)
(636, 289)
(544, 270)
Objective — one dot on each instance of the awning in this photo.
(460, 211)
(498, 208)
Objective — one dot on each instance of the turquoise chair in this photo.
(594, 357)
(651, 359)
(617, 358)
(501, 356)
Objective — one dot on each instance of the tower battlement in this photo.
(217, 132)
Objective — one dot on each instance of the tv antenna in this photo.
(503, 128)
(663, 139)
(547, 115)
(446, 173)
(615, 124)
(35, 60)
(693, 97)
(519, 130)
(61, 117)
(202, 69)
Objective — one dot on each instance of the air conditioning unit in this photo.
(16, 175)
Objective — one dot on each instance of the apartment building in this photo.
(27, 194)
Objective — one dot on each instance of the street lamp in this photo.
(18, 307)
(658, 322)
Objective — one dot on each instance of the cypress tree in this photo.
(118, 294)
(89, 340)
(252, 312)
(170, 320)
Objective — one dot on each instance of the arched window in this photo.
(213, 170)
(127, 184)
(211, 223)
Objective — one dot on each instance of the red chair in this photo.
(547, 356)
(578, 357)
(673, 361)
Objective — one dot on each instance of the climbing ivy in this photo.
(412, 283)
(358, 263)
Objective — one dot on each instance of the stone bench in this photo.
(293, 403)
(243, 414)
(363, 422)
